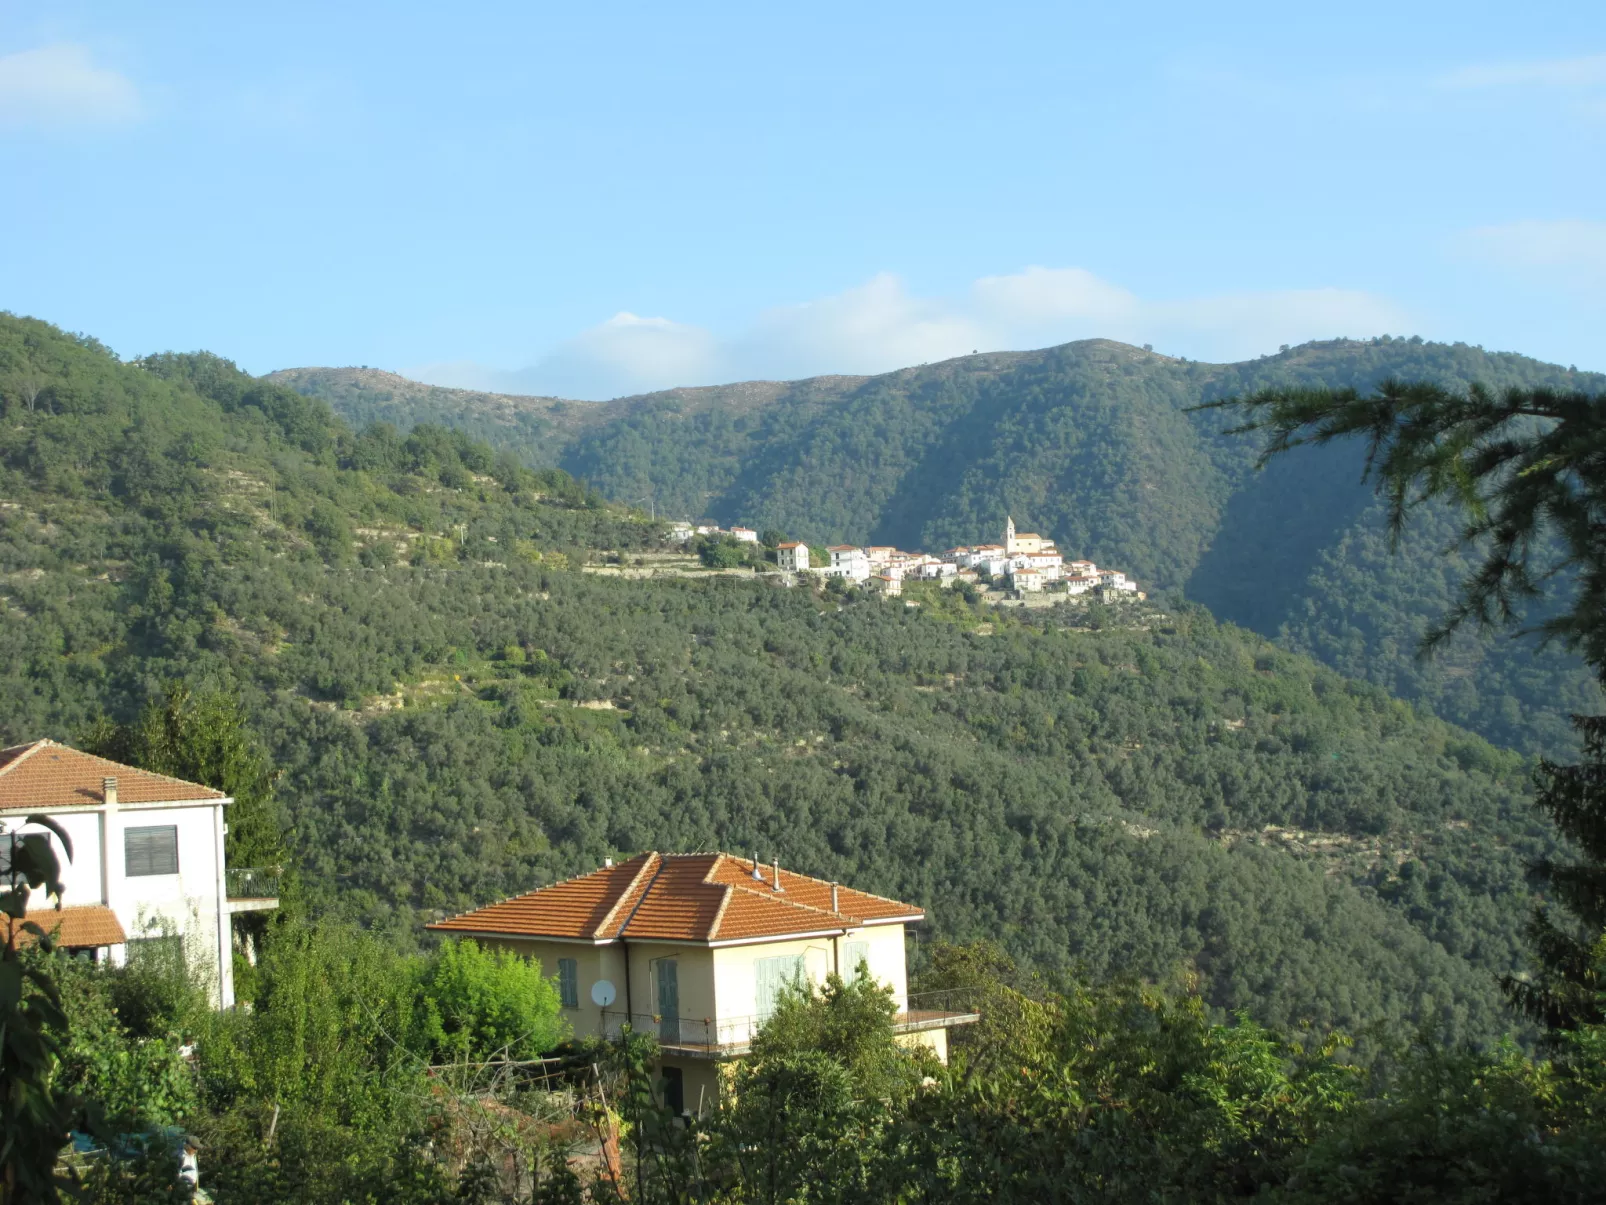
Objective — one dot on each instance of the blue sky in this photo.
(594, 199)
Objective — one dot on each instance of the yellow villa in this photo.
(697, 948)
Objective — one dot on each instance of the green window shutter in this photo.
(569, 982)
(854, 953)
(773, 976)
(152, 850)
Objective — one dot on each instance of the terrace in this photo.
(732, 1037)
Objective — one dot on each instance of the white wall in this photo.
(188, 904)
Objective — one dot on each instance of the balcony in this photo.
(732, 1037)
(252, 888)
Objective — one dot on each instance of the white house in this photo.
(792, 556)
(994, 564)
(890, 584)
(1081, 583)
(849, 561)
(745, 535)
(1114, 579)
(680, 532)
(1028, 581)
(698, 948)
(147, 865)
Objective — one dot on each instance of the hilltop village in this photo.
(1025, 563)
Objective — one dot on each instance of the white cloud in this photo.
(868, 329)
(1238, 326)
(1584, 72)
(60, 85)
(626, 354)
(880, 326)
(1044, 294)
(1573, 250)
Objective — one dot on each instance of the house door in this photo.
(668, 1000)
(674, 1090)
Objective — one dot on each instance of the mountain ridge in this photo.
(1095, 444)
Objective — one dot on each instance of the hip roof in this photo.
(698, 898)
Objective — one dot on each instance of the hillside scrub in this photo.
(1093, 444)
(1067, 1090)
(1118, 790)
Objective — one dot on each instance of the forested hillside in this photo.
(1090, 443)
(458, 711)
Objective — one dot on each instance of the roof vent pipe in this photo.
(108, 786)
(834, 902)
(778, 886)
(757, 873)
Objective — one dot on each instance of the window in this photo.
(151, 850)
(569, 982)
(855, 953)
(164, 952)
(773, 976)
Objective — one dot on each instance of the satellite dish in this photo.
(602, 993)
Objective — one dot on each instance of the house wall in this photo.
(934, 1040)
(82, 877)
(703, 1081)
(591, 964)
(886, 958)
(736, 979)
(191, 903)
(694, 975)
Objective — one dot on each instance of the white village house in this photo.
(1029, 563)
(792, 557)
(148, 865)
(849, 561)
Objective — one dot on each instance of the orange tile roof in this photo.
(45, 774)
(701, 898)
(791, 544)
(74, 928)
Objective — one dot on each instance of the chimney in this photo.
(607, 863)
(834, 902)
(757, 873)
(778, 886)
(108, 786)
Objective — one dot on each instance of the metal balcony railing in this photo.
(253, 882)
(730, 1036)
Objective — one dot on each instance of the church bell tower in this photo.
(1009, 535)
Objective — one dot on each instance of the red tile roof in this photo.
(44, 774)
(791, 544)
(73, 928)
(701, 898)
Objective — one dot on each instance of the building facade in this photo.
(698, 949)
(148, 868)
(792, 557)
(849, 561)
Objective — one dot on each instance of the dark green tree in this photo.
(202, 736)
(1526, 469)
